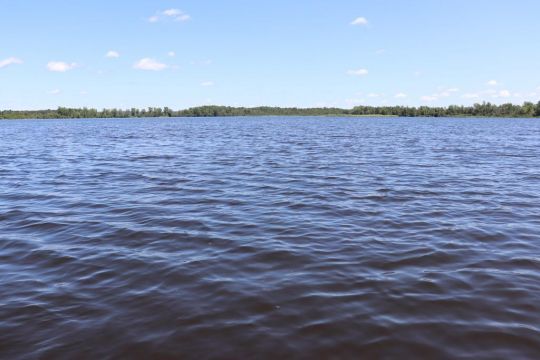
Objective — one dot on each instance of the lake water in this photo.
(294, 237)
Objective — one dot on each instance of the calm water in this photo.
(292, 237)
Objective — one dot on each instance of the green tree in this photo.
(537, 110)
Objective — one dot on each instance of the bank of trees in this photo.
(528, 109)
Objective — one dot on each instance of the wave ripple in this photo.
(268, 237)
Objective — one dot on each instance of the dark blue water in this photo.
(267, 237)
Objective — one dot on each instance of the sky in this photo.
(304, 53)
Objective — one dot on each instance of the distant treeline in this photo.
(528, 109)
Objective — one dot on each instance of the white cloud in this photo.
(354, 102)
(498, 94)
(207, 83)
(10, 61)
(60, 66)
(112, 54)
(174, 14)
(55, 92)
(380, 51)
(171, 53)
(501, 94)
(400, 96)
(442, 93)
(320, 104)
(445, 92)
(373, 95)
(184, 17)
(359, 21)
(358, 72)
(149, 64)
(492, 83)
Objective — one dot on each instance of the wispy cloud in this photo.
(429, 98)
(171, 14)
(374, 95)
(359, 21)
(441, 93)
(207, 83)
(54, 92)
(112, 54)
(358, 72)
(492, 83)
(60, 66)
(149, 64)
(354, 102)
(171, 54)
(10, 61)
(498, 94)
(400, 95)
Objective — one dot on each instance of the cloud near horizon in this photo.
(149, 64)
(174, 14)
(10, 61)
(358, 72)
(359, 21)
(112, 54)
(60, 66)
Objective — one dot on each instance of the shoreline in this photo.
(484, 110)
(272, 116)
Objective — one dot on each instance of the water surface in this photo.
(297, 237)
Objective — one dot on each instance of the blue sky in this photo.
(269, 52)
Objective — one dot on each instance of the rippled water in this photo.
(237, 237)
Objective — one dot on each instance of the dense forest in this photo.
(528, 109)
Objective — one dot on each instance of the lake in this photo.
(268, 237)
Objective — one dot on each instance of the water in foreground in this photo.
(304, 237)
